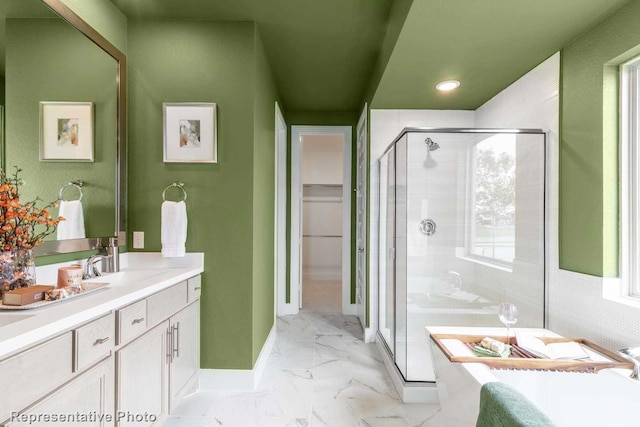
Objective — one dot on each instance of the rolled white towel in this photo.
(173, 233)
(73, 225)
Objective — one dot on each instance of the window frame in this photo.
(630, 177)
(471, 225)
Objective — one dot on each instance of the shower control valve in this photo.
(428, 227)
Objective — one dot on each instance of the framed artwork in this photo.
(190, 132)
(66, 131)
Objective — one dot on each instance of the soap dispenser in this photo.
(111, 264)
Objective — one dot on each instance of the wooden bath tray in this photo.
(521, 359)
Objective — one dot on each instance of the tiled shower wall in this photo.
(576, 306)
(530, 102)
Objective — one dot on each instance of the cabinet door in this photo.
(141, 380)
(85, 401)
(184, 366)
(35, 372)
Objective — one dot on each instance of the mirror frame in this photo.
(52, 247)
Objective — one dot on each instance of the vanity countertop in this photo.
(143, 274)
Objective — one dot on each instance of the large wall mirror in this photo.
(63, 87)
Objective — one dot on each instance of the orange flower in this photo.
(22, 225)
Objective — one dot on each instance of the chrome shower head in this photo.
(431, 145)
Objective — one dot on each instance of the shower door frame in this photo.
(545, 205)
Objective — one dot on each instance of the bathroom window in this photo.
(630, 176)
(492, 214)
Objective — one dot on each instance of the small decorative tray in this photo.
(88, 288)
(520, 358)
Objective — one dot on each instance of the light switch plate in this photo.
(138, 240)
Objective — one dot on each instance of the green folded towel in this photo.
(503, 406)
(485, 352)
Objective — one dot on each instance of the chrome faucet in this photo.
(90, 269)
(632, 354)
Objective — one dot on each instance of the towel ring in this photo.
(178, 184)
(76, 184)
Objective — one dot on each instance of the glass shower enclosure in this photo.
(462, 229)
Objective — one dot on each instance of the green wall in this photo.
(229, 216)
(265, 94)
(321, 118)
(589, 143)
(104, 17)
(38, 70)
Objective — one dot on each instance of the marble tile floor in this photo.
(320, 373)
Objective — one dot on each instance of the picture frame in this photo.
(66, 131)
(190, 132)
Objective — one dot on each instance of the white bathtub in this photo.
(609, 398)
(606, 399)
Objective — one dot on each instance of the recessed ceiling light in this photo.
(447, 85)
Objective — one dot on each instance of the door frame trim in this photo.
(280, 215)
(361, 185)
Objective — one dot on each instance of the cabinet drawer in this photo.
(34, 372)
(162, 305)
(132, 321)
(194, 286)
(88, 393)
(94, 341)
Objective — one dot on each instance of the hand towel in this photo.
(73, 225)
(503, 406)
(173, 233)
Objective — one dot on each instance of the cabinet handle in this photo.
(138, 320)
(176, 348)
(197, 288)
(170, 344)
(101, 341)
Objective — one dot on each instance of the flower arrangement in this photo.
(22, 226)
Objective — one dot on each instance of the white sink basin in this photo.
(123, 277)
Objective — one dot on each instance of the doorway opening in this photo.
(321, 219)
(322, 189)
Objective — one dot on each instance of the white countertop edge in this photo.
(48, 322)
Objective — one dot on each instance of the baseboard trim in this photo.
(350, 310)
(409, 392)
(369, 335)
(239, 379)
(288, 309)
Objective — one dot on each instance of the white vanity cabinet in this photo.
(87, 400)
(34, 372)
(129, 364)
(160, 365)
(142, 377)
(185, 353)
(82, 358)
